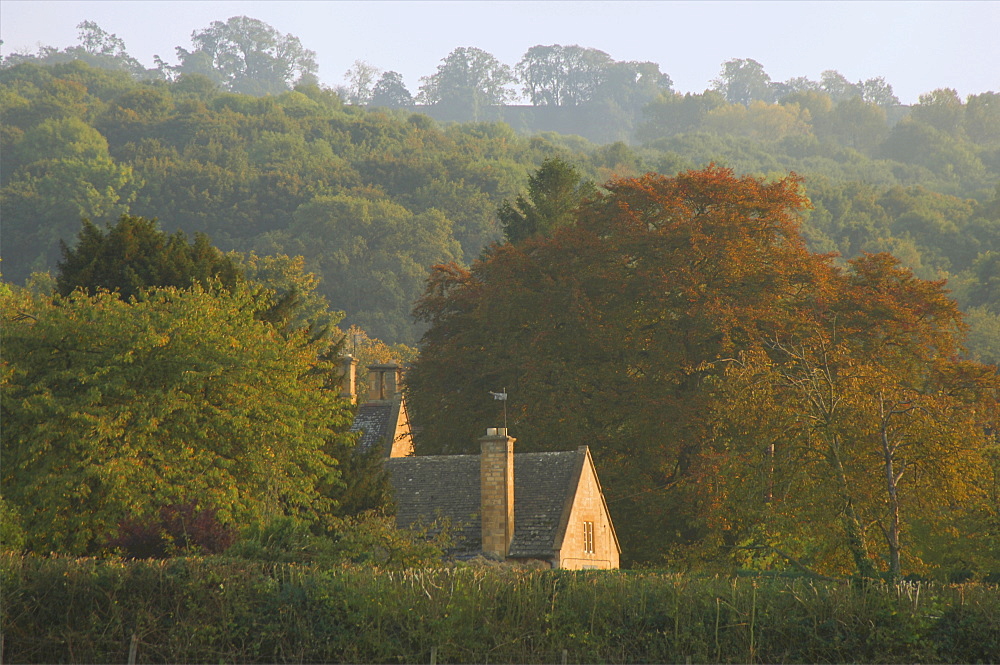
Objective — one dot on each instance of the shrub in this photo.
(177, 529)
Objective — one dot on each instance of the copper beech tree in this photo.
(674, 328)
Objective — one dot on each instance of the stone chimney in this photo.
(348, 389)
(496, 465)
(383, 382)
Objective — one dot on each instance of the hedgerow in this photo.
(236, 611)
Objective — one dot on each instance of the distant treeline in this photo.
(597, 96)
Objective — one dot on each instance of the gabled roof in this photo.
(447, 486)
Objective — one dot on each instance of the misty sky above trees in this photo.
(916, 46)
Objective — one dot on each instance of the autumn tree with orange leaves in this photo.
(625, 331)
(845, 444)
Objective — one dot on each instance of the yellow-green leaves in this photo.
(113, 408)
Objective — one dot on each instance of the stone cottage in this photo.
(525, 507)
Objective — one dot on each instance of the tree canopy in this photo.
(468, 80)
(248, 56)
(562, 75)
(554, 192)
(390, 91)
(134, 255)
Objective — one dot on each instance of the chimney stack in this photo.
(497, 490)
(348, 388)
(383, 382)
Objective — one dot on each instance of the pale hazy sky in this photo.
(916, 46)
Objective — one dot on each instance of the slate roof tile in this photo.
(372, 420)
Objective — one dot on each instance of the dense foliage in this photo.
(746, 400)
(192, 610)
(113, 409)
(278, 174)
(275, 175)
(134, 255)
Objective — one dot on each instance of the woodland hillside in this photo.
(371, 197)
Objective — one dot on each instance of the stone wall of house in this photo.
(402, 437)
(589, 508)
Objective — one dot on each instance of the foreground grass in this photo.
(229, 611)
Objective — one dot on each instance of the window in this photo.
(588, 537)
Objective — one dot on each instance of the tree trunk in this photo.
(892, 531)
(852, 523)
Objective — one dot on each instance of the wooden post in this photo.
(565, 657)
(133, 648)
(434, 655)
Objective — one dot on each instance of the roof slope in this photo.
(447, 486)
(373, 422)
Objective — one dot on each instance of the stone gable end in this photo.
(589, 508)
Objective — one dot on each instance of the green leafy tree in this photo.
(672, 113)
(108, 47)
(113, 409)
(297, 303)
(67, 175)
(471, 210)
(248, 56)
(11, 531)
(469, 81)
(562, 75)
(877, 91)
(855, 123)
(390, 91)
(983, 342)
(134, 255)
(915, 142)
(836, 85)
(942, 109)
(57, 139)
(984, 287)
(97, 48)
(555, 190)
(743, 81)
(793, 86)
(759, 120)
(361, 79)
(982, 118)
(631, 85)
